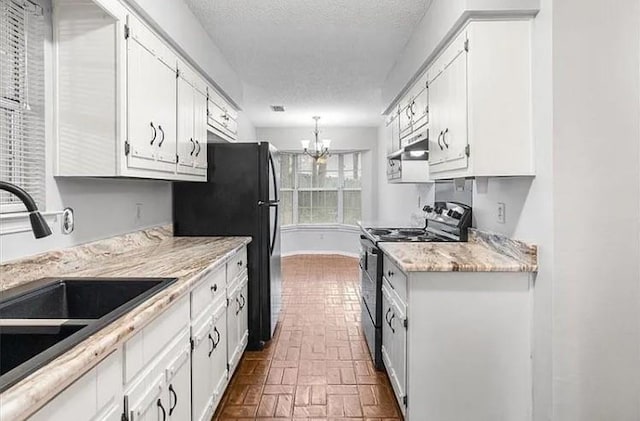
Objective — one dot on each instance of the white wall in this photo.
(596, 194)
(108, 207)
(330, 239)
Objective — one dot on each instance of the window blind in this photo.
(22, 142)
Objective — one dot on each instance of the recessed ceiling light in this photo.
(277, 108)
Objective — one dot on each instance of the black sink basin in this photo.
(42, 320)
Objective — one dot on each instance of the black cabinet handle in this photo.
(159, 405)
(440, 144)
(243, 302)
(198, 144)
(175, 399)
(214, 288)
(155, 133)
(217, 341)
(162, 132)
(239, 306)
(386, 315)
(213, 345)
(240, 263)
(390, 273)
(444, 134)
(194, 146)
(393, 315)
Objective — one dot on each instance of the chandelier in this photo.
(320, 149)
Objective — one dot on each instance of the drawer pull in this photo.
(390, 273)
(240, 263)
(217, 341)
(214, 288)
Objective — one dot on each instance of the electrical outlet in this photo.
(501, 213)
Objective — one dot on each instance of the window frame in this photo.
(340, 189)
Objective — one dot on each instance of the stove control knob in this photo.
(438, 211)
(454, 214)
(427, 209)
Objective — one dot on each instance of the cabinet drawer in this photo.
(237, 265)
(154, 338)
(208, 291)
(396, 278)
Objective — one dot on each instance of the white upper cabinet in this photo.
(473, 103)
(480, 103)
(192, 122)
(448, 97)
(151, 100)
(222, 118)
(127, 104)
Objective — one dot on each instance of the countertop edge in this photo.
(33, 392)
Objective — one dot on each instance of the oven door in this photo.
(368, 277)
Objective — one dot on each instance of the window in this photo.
(321, 192)
(22, 143)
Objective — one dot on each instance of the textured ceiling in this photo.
(315, 57)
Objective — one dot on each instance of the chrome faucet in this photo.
(38, 224)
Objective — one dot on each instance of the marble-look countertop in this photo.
(149, 253)
(484, 252)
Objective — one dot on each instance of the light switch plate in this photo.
(501, 213)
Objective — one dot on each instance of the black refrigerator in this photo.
(241, 198)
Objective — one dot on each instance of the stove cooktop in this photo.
(410, 235)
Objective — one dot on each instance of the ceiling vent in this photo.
(277, 108)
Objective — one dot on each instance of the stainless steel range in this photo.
(445, 222)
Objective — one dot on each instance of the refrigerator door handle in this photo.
(271, 203)
(274, 202)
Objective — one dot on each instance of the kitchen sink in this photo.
(43, 319)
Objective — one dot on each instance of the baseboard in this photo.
(327, 252)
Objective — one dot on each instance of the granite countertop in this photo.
(149, 253)
(484, 252)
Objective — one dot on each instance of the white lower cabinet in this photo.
(175, 368)
(94, 396)
(394, 342)
(457, 345)
(209, 359)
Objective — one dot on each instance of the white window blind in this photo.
(22, 143)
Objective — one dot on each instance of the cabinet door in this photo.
(455, 136)
(438, 116)
(218, 356)
(405, 119)
(147, 403)
(233, 333)
(399, 348)
(142, 122)
(201, 378)
(164, 76)
(178, 392)
(200, 129)
(420, 106)
(185, 138)
(243, 316)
